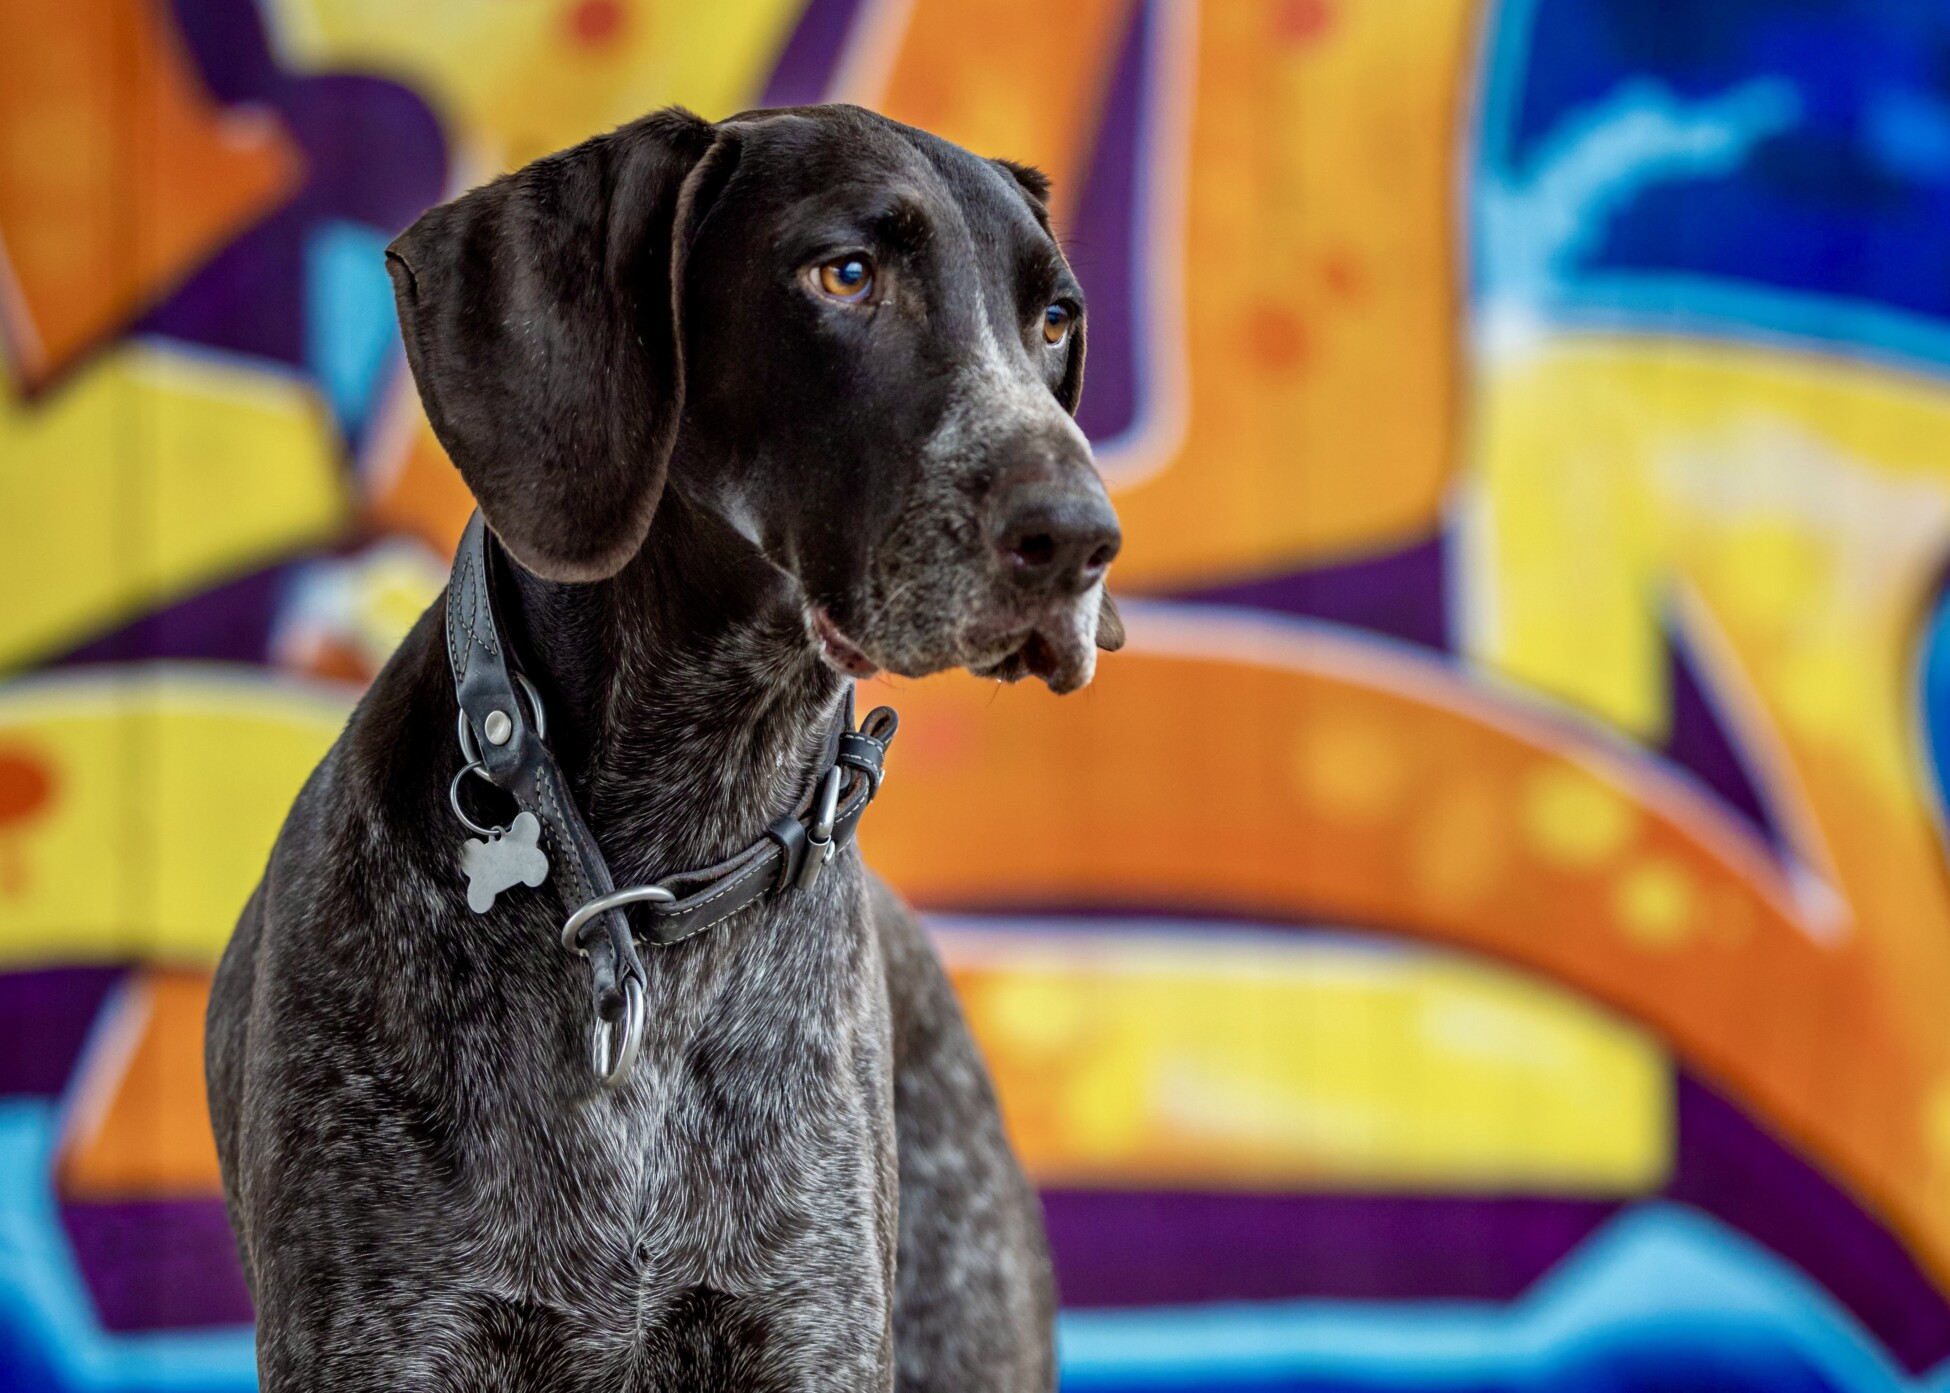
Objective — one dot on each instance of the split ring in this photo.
(453, 799)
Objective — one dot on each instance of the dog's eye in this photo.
(848, 278)
(1056, 324)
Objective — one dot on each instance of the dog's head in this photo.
(857, 343)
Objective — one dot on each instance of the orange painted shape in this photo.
(1356, 783)
(140, 1127)
(1017, 79)
(1304, 397)
(118, 173)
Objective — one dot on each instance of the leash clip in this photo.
(819, 839)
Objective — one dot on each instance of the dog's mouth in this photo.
(839, 650)
(1056, 646)
(1061, 655)
(1034, 656)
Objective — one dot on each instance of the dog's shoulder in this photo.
(359, 855)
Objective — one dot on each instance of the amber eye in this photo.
(1056, 324)
(848, 278)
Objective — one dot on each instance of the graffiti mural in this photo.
(1531, 423)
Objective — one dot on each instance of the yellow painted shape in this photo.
(1799, 508)
(1131, 1061)
(520, 78)
(150, 474)
(1224, 1061)
(168, 785)
(1806, 499)
(1306, 383)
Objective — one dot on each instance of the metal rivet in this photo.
(498, 727)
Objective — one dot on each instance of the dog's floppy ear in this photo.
(542, 326)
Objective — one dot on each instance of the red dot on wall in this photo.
(596, 23)
(1304, 21)
(1276, 338)
(26, 787)
(1343, 273)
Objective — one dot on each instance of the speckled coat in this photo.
(698, 472)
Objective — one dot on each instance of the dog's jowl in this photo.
(566, 1042)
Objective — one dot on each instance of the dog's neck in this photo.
(685, 699)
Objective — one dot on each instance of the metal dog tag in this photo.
(514, 857)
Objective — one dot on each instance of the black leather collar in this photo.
(502, 739)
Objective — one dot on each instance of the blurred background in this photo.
(1490, 928)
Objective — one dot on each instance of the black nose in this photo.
(1059, 538)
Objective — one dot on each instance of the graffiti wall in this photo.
(1489, 930)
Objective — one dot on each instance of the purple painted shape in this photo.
(373, 150)
(1400, 593)
(1102, 246)
(810, 60)
(1138, 1248)
(1699, 741)
(159, 1264)
(231, 622)
(373, 154)
(45, 1016)
(248, 298)
(1728, 1166)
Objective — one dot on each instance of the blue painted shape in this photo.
(1541, 226)
(1908, 133)
(1745, 167)
(49, 1337)
(349, 324)
(1663, 1298)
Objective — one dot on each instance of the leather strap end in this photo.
(790, 834)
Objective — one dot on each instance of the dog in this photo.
(751, 409)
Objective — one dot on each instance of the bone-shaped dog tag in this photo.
(514, 857)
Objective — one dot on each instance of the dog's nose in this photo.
(1059, 538)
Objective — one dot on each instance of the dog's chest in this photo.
(752, 1143)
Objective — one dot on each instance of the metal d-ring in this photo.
(602, 904)
(611, 1072)
(466, 732)
(453, 799)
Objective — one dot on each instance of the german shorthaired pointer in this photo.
(751, 409)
